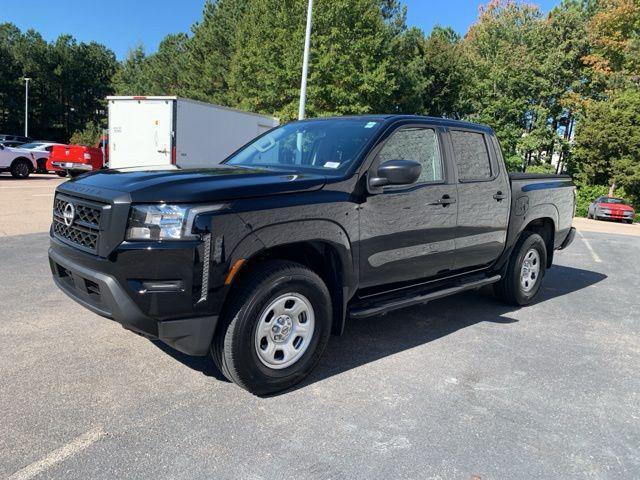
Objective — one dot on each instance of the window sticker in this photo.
(332, 165)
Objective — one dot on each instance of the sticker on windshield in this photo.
(370, 124)
(332, 164)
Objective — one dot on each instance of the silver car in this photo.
(611, 208)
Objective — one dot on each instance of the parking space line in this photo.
(43, 195)
(595, 256)
(75, 446)
(26, 186)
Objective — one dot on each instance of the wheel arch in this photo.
(21, 159)
(321, 245)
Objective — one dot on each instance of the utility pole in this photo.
(305, 63)
(26, 106)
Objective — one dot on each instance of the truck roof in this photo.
(445, 122)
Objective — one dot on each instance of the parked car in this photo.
(40, 150)
(14, 138)
(258, 260)
(20, 163)
(611, 208)
(76, 159)
(11, 143)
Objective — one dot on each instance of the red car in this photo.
(77, 159)
(611, 208)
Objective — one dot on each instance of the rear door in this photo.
(407, 232)
(140, 132)
(484, 198)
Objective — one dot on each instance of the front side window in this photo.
(418, 144)
(324, 146)
(472, 156)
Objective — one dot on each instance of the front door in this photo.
(407, 232)
(484, 198)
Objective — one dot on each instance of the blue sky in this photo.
(122, 24)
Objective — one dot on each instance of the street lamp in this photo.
(305, 63)
(26, 106)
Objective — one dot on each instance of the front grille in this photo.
(84, 228)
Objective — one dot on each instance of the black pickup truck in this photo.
(258, 260)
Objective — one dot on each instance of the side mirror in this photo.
(396, 172)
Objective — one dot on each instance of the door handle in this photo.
(499, 196)
(444, 201)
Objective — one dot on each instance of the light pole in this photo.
(26, 106)
(305, 63)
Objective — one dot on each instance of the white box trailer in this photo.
(156, 131)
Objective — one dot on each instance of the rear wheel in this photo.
(275, 330)
(525, 271)
(20, 169)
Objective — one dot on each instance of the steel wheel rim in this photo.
(530, 270)
(284, 331)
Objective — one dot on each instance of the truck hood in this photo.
(196, 186)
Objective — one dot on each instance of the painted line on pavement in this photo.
(595, 256)
(73, 447)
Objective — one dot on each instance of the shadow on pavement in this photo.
(370, 339)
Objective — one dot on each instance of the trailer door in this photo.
(140, 132)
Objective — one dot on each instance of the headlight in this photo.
(165, 222)
(156, 222)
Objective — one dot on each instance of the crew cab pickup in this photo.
(258, 260)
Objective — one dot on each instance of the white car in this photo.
(19, 162)
(40, 150)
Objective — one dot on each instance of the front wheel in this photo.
(61, 173)
(275, 330)
(525, 271)
(20, 169)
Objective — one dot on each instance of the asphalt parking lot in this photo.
(461, 388)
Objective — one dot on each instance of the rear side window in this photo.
(472, 156)
(418, 144)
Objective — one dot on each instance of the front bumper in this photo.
(88, 281)
(613, 215)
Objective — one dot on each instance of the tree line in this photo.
(561, 86)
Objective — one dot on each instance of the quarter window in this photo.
(418, 144)
(472, 156)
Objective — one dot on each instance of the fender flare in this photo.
(302, 231)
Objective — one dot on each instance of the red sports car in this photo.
(611, 208)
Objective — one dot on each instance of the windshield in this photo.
(31, 146)
(324, 146)
(612, 200)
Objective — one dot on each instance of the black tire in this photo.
(60, 173)
(510, 288)
(21, 169)
(589, 215)
(234, 348)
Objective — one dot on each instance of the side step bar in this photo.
(393, 304)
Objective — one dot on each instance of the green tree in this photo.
(351, 61)
(210, 50)
(608, 143)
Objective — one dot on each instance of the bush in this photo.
(542, 168)
(587, 194)
(89, 136)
